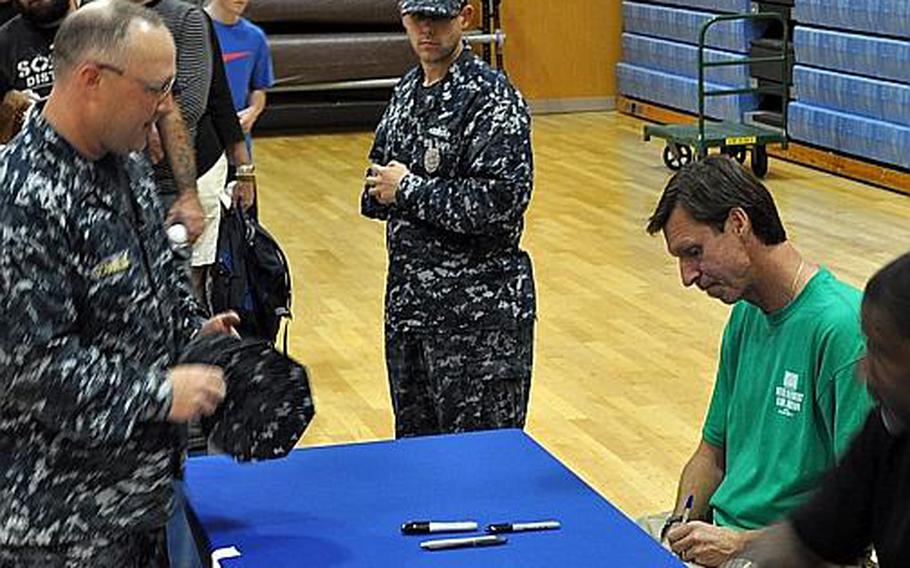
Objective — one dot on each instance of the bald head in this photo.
(107, 30)
(114, 69)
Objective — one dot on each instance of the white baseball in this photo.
(177, 234)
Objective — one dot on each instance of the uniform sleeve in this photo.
(836, 522)
(263, 74)
(46, 369)
(495, 188)
(191, 315)
(714, 430)
(843, 400)
(369, 206)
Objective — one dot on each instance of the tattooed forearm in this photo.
(179, 150)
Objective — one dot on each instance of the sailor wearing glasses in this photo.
(94, 309)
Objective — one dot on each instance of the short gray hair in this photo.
(99, 29)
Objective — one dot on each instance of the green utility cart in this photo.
(686, 142)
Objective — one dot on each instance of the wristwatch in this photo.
(246, 172)
(671, 520)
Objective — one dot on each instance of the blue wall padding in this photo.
(872, 98)
(683, 25)
(728, 6)
(682, 59)
(881, 17)
(879, 57)
(679, 92)
(865, 137)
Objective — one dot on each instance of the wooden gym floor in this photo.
(625, 355)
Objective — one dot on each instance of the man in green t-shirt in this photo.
(786, 401)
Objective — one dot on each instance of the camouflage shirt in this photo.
(453, 234)
(93, 310)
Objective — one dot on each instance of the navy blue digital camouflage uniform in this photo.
(93, 310)
(460, 300)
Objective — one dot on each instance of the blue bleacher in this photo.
(683, 25)
(682, 59)
(727, 6)
(885, 142)
(872, 98)
(679, 92)
(881, 17)
(884, 58)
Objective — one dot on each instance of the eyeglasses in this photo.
(159, 90)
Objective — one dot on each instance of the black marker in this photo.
(468, 542)
(426, 527)
(687, 510)
(520, 527)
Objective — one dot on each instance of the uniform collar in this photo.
(455, 69)
(87, 172)
(40, 130)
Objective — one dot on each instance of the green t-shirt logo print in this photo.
(789, 400)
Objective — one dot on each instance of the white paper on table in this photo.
(224, 553)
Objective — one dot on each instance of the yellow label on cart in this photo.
(740, 140)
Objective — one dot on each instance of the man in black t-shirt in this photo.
(866, 499)
(26, 65)
(26, 43)
(27, 74)
(7, 11)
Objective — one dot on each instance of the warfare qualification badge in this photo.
(431, 159)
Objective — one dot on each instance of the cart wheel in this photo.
(677, 155)
(738, 153)
(760, 161)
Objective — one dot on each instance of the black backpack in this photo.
(251, 277)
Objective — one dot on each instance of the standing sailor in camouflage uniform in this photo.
(451, 176)
(93, 309)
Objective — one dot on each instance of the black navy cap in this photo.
(440, 8)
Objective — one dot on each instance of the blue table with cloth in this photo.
(344, 505)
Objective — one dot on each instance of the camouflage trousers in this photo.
(134, 550)
(445, 383)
